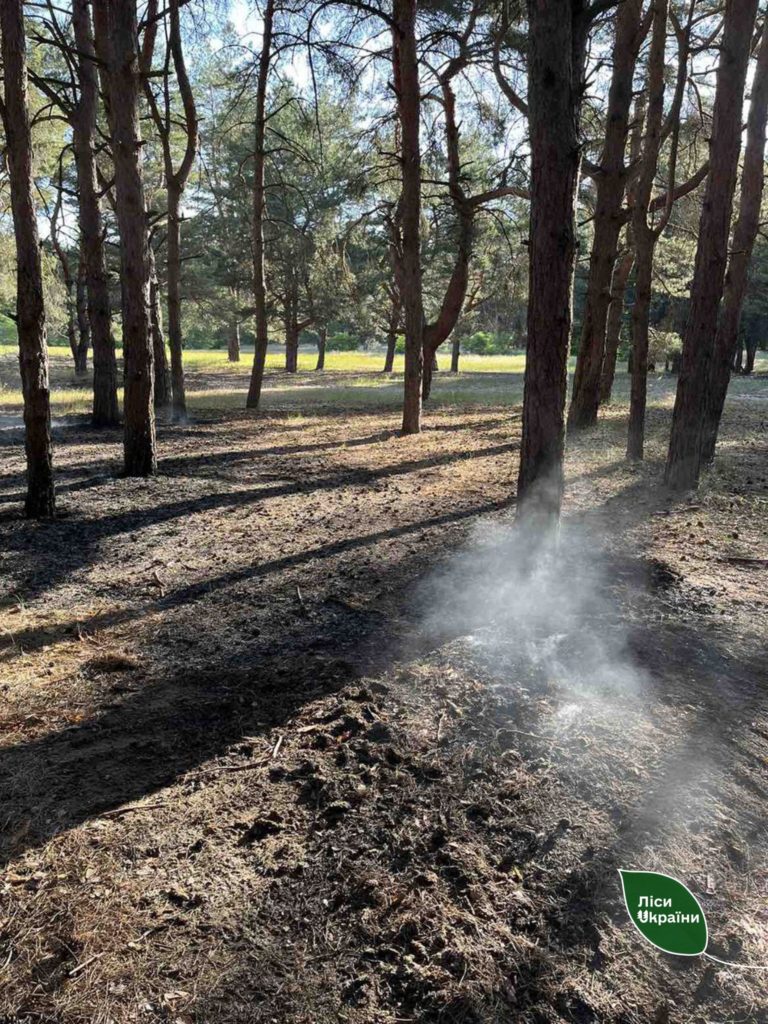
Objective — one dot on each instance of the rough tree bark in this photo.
(259, 212)
(406, 83)
(684, 457)
(30, 309)
(608, 218)
(744, 234)
(105, 408)
(556, 58)
(121, 46)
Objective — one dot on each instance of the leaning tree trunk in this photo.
(30, 309)
(608, 219)
(614, 320)
(233, 342)
(684, 458)
(405, 69)
(259, 213)
(322, 341)
(556, 57)
(139, 413)
(744, 234)
(105, 408)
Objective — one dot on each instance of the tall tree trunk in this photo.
(322, 340)
(389, 357)
(105, 408)
(684, 458)
(139, 414)
(644, 234)
(608, 218)
(233, 342)
(83, 327)
(173, 284)
(614, 321)
(455, 352)
(259, 212)
(744, 234)
(176, 182)
(556, 57)
(406, 81)
(431, 367)
(30, 309)
(291, 342)
(68, 280)
(453, 299)
(392, 326)
(70, 287)
(646, 245)
(162, 373)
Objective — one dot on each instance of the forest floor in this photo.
(299, 731)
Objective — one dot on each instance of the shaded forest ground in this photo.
(286, 735)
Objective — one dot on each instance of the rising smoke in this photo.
(544, 606)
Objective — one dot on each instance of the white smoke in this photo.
(543, 608)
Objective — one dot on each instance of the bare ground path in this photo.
(286, 735)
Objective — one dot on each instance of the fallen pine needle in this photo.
(119, 811)
(84, 964)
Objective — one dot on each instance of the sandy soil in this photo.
(279, 743)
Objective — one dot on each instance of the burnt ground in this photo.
(299, 731)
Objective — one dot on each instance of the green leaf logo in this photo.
(665, 912)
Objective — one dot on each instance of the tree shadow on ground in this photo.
(41, 565)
